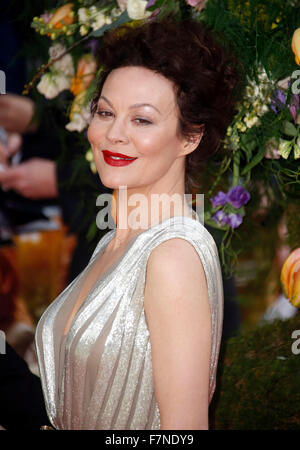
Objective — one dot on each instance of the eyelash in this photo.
(143, 121)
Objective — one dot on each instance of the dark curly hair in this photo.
(205, 75)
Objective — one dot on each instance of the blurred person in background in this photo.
(32, 177)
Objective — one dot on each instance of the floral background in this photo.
(252, 185)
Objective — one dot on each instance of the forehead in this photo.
(136, 84)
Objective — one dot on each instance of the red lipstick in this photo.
(112, 158)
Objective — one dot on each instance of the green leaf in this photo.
(284, 149)
(123, 18)
(248, 145)
(289, 129)
(256, 160)
(296, 151)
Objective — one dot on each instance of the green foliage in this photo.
(247, 26)
(293, 225)
(258, 33)
(257, 382)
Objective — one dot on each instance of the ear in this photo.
(191, 143)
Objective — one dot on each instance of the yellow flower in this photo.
(77, 104)
(89, 155)
(80, 114)
(93, 167)
(85, 73)
(296, 45)
(62, 16)
(290, 277)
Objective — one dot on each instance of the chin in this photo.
(114, 180)
(111, 182)
(108, 183)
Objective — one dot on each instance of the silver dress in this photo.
(99, 376)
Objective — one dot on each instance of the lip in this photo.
(119, 163)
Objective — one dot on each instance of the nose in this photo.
(116, 132)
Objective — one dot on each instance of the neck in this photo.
(140, 209)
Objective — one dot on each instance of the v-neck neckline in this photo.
(118, 261)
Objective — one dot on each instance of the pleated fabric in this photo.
(99, 376)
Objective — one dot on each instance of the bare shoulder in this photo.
(175, 260)
(175, 277)
(174, 246)
(178, 316)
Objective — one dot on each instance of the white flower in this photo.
(51, 85)
(78, 123)
(56, 50)
(83, 30)
(108, 20)
(99, 21)
(86, 113)
(115, 12)
(251, 121)
(93, 10)
(136, 9)
(83, 15)
(284, 84)
(122, 4)
(64, 64)
(263, 110)
(80, 118)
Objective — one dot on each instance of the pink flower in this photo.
(46, 17)
(122, 4)
(198, 4)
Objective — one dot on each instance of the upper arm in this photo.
(178, 316)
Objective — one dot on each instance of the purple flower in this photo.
(220, 217)
(234, 220)
(238, 196)
(294, 106)
(93, 45)
(46, 17)
(219, 200)
(154, 14)
(278, 101)
(150, 3)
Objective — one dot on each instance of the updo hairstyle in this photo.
(204, 73)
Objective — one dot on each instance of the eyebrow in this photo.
(136, 105)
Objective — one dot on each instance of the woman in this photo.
(133, 341)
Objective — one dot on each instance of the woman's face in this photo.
(137, 116)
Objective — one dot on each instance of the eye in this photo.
(140, 121)
(103, 113)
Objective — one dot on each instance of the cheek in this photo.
(152, 145)
(95, 137)
(93, 133)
